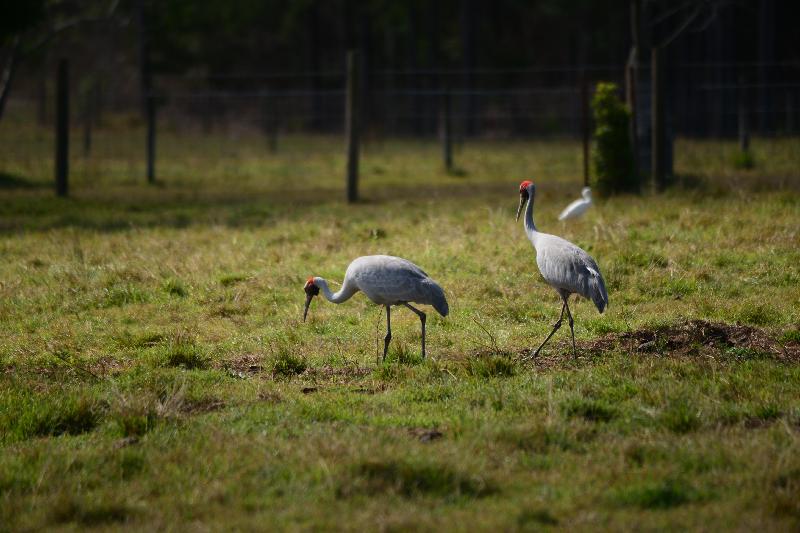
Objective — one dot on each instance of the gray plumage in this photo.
(567, 267)
(387, 281)
(563, 265)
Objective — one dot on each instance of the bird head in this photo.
(526, 190)
(586, 193)
(311, 290)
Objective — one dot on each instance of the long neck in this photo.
(530, 227)
(344, 293)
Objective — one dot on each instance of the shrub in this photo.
(614, 169)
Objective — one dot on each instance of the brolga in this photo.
(564, 266)
(387, 281)
(579, 206)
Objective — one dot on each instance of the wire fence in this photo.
(222, 117)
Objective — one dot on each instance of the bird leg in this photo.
(571, 328)
(388, 336)
(422, 318)
(555, 328)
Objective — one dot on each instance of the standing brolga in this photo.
(566, 267)
(387, 281)
(579, 206)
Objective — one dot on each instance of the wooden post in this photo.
(62, 129)
(585, 126)
(352, 124)
(744, 128)
(151, 138)
(447, 130)
(657, 105)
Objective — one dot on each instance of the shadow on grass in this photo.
(410, 480)
(122, 208)
(12, 182)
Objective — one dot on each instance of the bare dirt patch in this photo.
(691, 338)
(244, 365)
(696, 338)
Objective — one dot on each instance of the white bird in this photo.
(578, 207)
(387, 281)
(564, 266)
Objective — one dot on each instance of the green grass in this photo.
(155, 371)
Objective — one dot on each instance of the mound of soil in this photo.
(699, 337)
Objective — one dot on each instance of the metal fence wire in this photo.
(702, 101)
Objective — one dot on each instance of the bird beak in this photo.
(522, 199)
(309, 297)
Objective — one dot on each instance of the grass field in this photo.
(156, 372)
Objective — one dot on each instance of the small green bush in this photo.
(614, 168)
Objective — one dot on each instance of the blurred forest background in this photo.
(207, 80)
(514, 66)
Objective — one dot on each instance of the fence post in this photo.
(657, 105)
(62, 128)
(447, 130)
(744, 128)
(150, 104)
(352, 124)
(585, 126)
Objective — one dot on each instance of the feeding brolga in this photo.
(564, 266)
(579, 206)
(387, 281)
